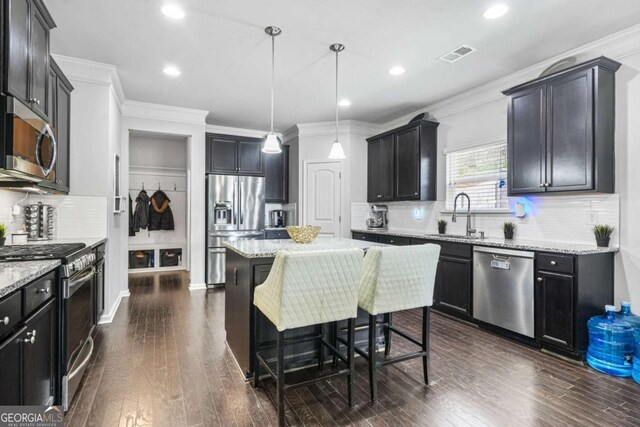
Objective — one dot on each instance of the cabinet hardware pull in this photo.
(541, 185)
(415, 194)
(554, 263)
(35, 100)
(5, 320)
(539, 279)
(31, 337)
(547, 184)
(42, 291)
(379, 195)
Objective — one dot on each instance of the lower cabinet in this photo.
(452, 292)
(28, 360)
(38, 349)
(554, 294)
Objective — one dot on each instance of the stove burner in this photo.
(38, 252)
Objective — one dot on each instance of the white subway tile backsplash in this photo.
(559, 218)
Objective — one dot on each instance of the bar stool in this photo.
(395, 279)
(305, 289)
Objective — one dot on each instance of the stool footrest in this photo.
(405, 336)
(403, 358)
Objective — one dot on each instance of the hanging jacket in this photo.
(160, 215)
(131, 229)
(141, 214)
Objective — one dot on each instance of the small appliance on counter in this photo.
(278, 218)
(377, 218)
(38, 221)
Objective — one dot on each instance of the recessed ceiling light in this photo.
(495, 11)
(396, 71)
(344, 102)
(171, 71)
(173, 11)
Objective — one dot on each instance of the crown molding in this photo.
(167, 113)
(329, 128)
(227, 130)
(92, 72)
(615, 46)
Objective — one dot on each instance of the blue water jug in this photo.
(626, 315)
(611, 344)
(636, 357)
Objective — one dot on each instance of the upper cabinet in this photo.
(27, 75)
(276, 176)
(402, 163)
(561, 131)
(232, 155)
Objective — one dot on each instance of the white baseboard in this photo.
(108, 317)
(197, 286)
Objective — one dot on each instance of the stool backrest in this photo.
(315, 287)
(397, 278)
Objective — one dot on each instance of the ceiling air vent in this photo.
(457, 53)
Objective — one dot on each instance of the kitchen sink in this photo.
(459, 236)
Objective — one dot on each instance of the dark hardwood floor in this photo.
(163, 362)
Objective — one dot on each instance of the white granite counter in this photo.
(529, 245)
(14, 275)
(268, 248)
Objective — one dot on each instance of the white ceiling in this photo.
(224, 54)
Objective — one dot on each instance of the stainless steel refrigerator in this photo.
(235, 210)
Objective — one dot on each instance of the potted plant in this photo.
(442, 226)
(3, 231)
(603, 234)
(508, 228)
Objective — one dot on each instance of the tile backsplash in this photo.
(550, 217)
(74, 216)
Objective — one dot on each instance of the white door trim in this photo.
(305, 167)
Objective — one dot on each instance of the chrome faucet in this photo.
(455, 213)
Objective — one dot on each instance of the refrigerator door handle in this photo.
(241, 207)
(236, 202)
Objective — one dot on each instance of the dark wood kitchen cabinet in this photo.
(232, 155)
(29, 348)
(60, 121)
(402, 163)
(26, 43)
(380, 169)
(561, 131)
(569, 290)
(276, 176)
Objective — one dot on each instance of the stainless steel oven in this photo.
(29, 149)
(78, 312)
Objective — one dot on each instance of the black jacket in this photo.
(141, 214)
(160, 215)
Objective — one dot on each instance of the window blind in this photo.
(481, 172)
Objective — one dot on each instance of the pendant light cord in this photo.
(273, 73)
(337, 96)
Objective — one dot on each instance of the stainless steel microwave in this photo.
(29, 148)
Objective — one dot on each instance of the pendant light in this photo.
(272, 143)
(337, 152)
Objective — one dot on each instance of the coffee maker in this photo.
(278, 218)
(377, 217)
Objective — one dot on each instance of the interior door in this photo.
(322, 203)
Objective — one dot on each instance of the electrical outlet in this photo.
(592, 217)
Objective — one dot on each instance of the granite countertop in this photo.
(14, 275)
(530, 245)
(268, 248)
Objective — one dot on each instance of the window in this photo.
(481, 172)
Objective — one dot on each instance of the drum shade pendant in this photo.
(337, 152)
(271, 142)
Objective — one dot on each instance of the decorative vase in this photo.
(508, 235)
(603, 242)
(442, 230)
(2, 240)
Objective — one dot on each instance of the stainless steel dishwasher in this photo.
(503, 288)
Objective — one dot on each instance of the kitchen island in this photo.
(248, 263)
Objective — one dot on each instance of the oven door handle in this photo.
(73, 285)
(84, 362)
